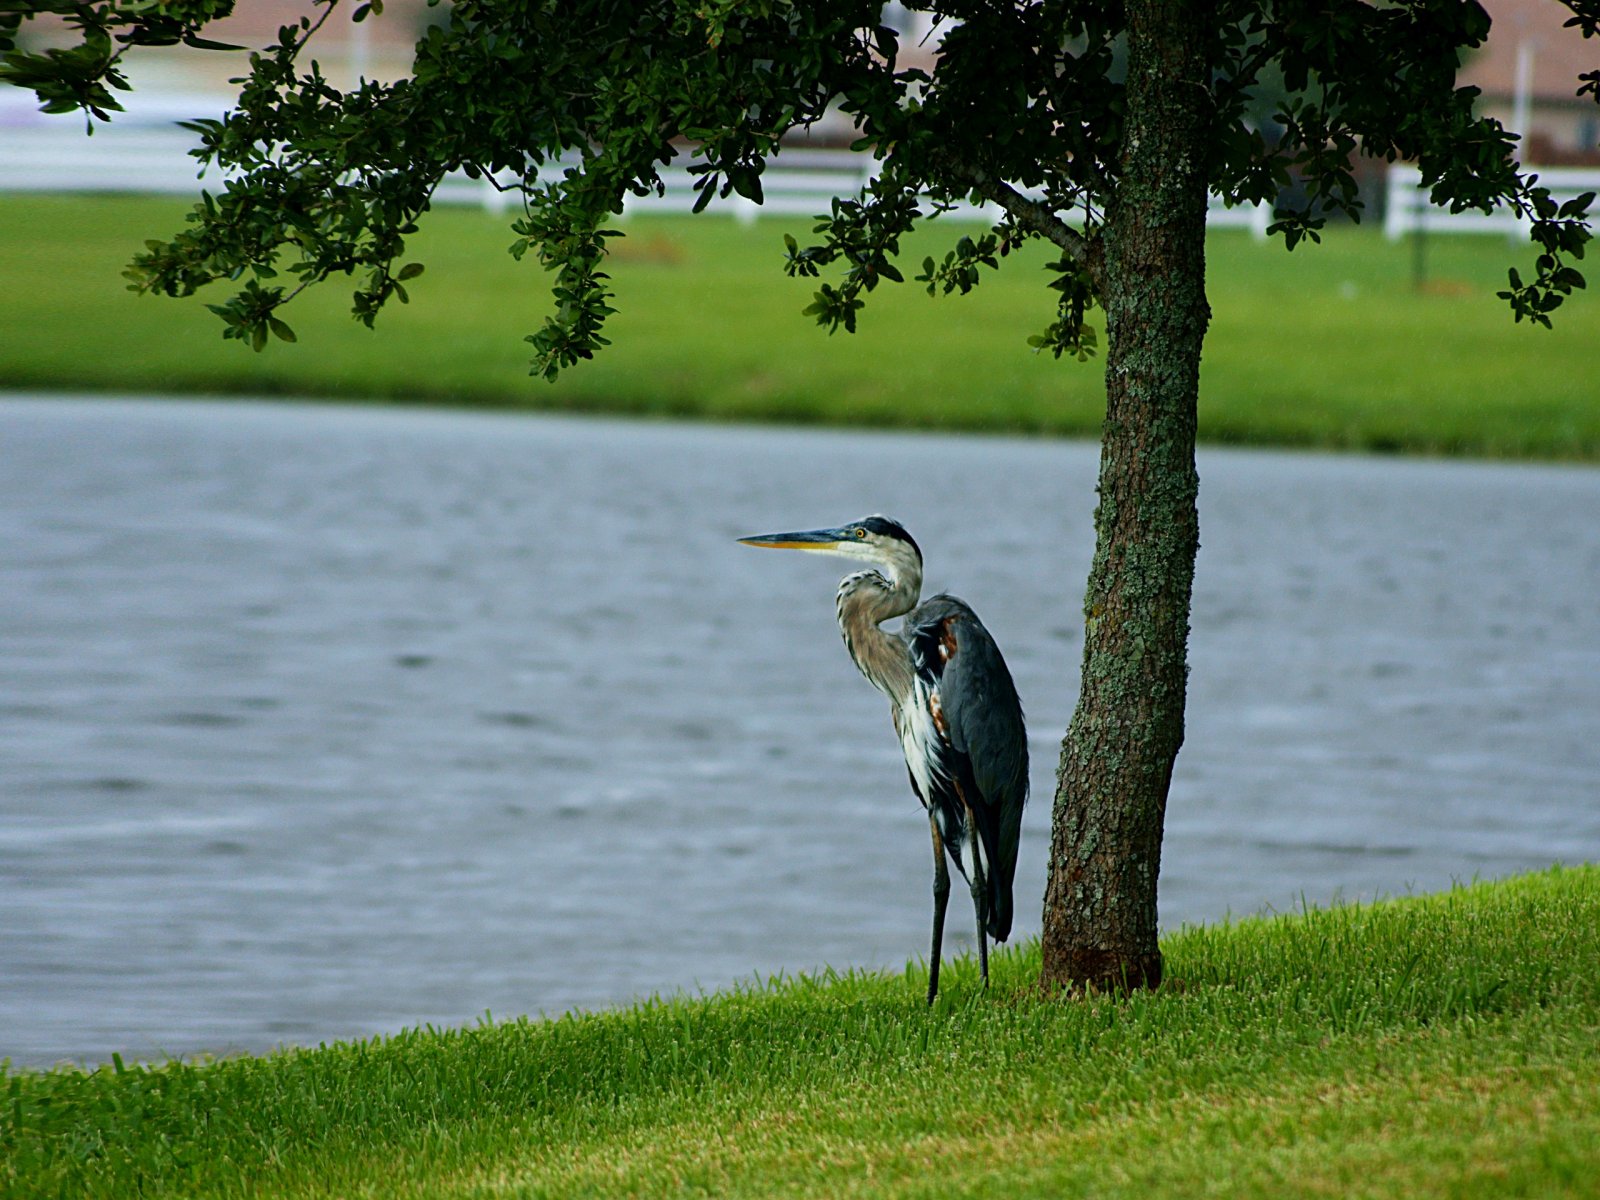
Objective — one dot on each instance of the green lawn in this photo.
(1331, 346)
(1440, 1046)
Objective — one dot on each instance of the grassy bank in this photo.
(1439, 1046)
(1332, 346)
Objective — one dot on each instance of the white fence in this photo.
(144, 151)
(1408, 210)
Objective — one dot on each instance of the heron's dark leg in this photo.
(941, 895)
(980, 903)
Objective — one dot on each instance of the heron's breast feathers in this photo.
(918, 721)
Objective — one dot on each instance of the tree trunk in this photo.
(1118, 754)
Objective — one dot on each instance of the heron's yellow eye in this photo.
(860, 532)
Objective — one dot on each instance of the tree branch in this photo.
(1030, 214)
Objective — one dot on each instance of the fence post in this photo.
(1401, 204)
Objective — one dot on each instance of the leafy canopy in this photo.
(575, 105)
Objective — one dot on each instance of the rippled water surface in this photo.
(318, 722)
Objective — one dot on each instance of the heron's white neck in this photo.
(866, 599)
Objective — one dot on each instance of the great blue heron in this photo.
(955, 709)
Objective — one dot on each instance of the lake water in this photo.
(318, 722)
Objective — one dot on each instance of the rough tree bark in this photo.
(1118, 754)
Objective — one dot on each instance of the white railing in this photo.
(1408, 209)
(144, 151)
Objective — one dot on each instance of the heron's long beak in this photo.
(810, 539)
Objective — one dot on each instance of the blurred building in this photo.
(379, 47)
(1528, 74)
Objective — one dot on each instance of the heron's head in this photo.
(878, 540)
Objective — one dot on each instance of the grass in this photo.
(1331, 346)
(1437, 1046)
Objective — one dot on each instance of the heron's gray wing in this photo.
(957, 657)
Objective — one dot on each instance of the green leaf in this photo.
(746, 183)
(1578, 205)
(200, 43)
